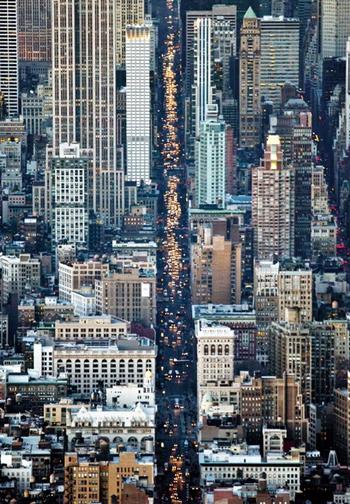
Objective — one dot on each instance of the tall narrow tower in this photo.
(202, 70)
(273, 204)
(347, 93)
(84, 95)
(9, 56)
(250, 107)
(138, 102)
(302, 164)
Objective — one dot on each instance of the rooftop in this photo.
(250, 14)
(125, 416)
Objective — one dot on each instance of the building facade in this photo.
(215, 349)
(73, 276)
(279, 62)
(129, 12)
(249, 71)
(295, 292)
(129, 294)
(84, 109)
(335, 29)
(273, 204)
(34, 30)
(9, 56)
(88, 481)
(138, 102)
(70, 196)
(210, 178)
(90, 365)
(19, 275)
(216, 263)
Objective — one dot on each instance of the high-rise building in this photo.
(217, 263)
(73, 276)
(295, 292)
(295, 344)
(224, 44)
(249, 70)
(302, 164)
(266, 293)
(129, 12)
(278, 8)
(34, 30)
(210, 47)
(279, 57)
(273, 204)
(215, 348)
(11, 153)
(342, 421)
(84, 96)
(224, 18)
(9, 55)
(210, 179)
(129, 294)
(347, 93)
(323, 337)
(70, 198)
(138, 102)
(202, 80)
(335, 28)
(290, 351)
(272, 400)
(19, 275)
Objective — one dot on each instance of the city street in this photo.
(177, 479)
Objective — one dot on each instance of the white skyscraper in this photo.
(70, 206)
(347, 93)
(210, 177)
(9, 55)
(202, 69)
(139, 45)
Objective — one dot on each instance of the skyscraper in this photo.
(250, 55)
(138, 102)
(216, 267)
(70, 202)
(210, 177)
(273, 204)
(347, 93)
(203, 85)
(279, 57)
(302, 164)
(222, 16)
(128, 12)
(335, 27)
(34, 30)
(84, 95)
(9, 56)
(210, 46)
(295, 292)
